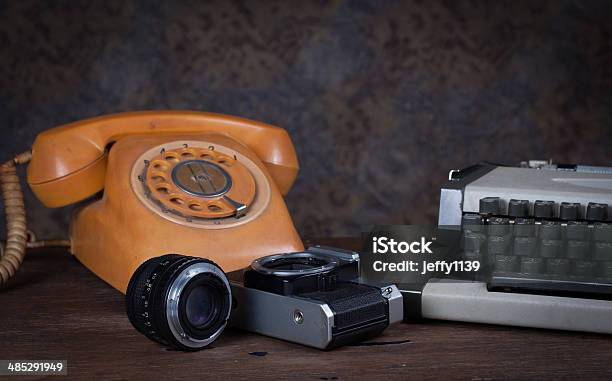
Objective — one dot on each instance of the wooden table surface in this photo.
(57, 309)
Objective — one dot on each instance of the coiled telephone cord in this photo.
(18, 238)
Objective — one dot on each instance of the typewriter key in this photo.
(602, 232)
(543, 209)
(569, 211)
(550, 248)
(497, 245)
(585, 269)
(524, 227)
(577, 249)
(597, 211)
(524, 246)
(499, 226)
(550, 230)
(518, 208)
(603, 251)
(558, 267)
(606, 270)
(472, 222)
(576, 230)
(530, 265)
(506, 263)
(473, 241)
(490, 205)
(471, 255)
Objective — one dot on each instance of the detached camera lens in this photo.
(178, 301)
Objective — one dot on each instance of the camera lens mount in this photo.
(294, 264)
(316, 269)
(179, 301)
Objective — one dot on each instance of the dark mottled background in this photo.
(381, 98)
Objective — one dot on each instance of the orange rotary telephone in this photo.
(198, 184)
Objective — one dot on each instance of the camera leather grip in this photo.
(360, 312)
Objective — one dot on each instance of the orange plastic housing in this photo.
(114, 234)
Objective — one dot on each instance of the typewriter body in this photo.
(543, 234)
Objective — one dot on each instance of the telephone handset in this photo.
(173, 182)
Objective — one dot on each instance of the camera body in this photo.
(313, 298)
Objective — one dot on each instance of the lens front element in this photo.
(203, 305)
(200, 306)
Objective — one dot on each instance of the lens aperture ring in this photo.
(140, 296)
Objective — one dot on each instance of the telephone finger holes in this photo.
(158, 177)
(160, 165)
(177, 200)
(225, 162)
(196, 207)
(206, 156)
(187, 154)
(163, 188)
(171, 157)
(214, 207)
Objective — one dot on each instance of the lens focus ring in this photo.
(179, 301)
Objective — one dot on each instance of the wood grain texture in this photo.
(56, 309)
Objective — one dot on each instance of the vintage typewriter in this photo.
(543, 233)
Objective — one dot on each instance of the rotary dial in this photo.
(197, 182)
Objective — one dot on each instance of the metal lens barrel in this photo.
(179, 301)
